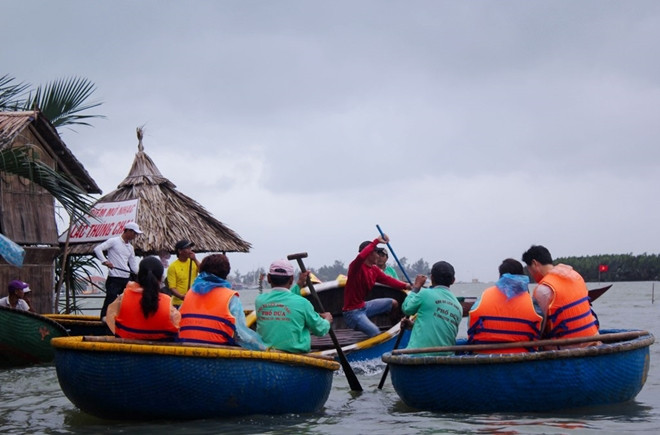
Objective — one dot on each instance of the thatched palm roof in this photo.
(14, 124)
(166, 215)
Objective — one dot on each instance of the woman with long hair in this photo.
(142, 312)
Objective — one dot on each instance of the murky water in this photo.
(31, 400)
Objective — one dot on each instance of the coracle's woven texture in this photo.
(25, 338)
(540, 381)
(134, 381)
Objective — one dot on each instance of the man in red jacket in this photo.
(363, 274)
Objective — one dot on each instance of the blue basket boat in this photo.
(126, 379)
(25, 338)
(612, 372)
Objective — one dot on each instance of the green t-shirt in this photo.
(390, 271)
(438, 316)
(285, 320)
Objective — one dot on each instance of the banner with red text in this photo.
(107, 220)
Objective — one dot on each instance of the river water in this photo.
(31, 400)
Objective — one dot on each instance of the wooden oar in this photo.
(401, 332)
(605, 338)
(348, 370)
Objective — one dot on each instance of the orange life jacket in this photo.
(131, 323)
(498, 320)
(569, 313)
(206, 318)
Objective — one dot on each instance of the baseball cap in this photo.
(364, 245)
(281, 268)
(381, 251)
(183, 244)
(132, 226)
(19, 285)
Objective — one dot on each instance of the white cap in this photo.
(132, 226)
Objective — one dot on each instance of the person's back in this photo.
(438, 311)
(142, 312)
(206, 318)
(562, 295)
(285, 320)
(212, 312)
(505, 312)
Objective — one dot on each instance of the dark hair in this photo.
(442, 273)
(511, 266)
(149, 275)
(279, 280)
(216, 264)
(538, 253)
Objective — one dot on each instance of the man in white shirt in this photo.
(120, 261)
(15, 300)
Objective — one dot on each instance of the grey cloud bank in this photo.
(467, 130)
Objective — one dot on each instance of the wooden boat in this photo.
(78, 324)
(355, 344)
(25, 338)
(129, 379)
(609, 373)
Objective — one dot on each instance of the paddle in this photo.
(400, 336)
(348, 370)
(605, 338)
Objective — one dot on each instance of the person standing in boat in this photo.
(183, 271)
(121, 262)
(363, 274)
(562, 295)
(505, 312)
(15, 298)
(381, 262)
(438, 311)
(284, 319)
(212, 313)
(142, 312)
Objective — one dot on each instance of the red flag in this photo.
(603, 268)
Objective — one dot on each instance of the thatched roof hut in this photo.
(27, 211)
(166, 215)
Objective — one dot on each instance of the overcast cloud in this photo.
(467, 130)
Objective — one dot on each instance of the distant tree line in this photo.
(611, 267)
(616, 267)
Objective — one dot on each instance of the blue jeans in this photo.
(359, 319)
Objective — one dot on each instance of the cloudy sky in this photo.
(467, 130)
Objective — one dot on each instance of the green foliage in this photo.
(621, 267)
(78, 274)
(328, 273)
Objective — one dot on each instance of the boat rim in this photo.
(499, 358)
(117, 345)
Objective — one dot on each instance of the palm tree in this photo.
(62, 102)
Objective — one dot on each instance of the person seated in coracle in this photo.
(142, 311)
(363, 274)
(16, 297)
(563, 297)
(438, 311)
(284, 319)
(212, 312)
(505, 312)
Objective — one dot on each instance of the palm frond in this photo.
(75, 201)
(64, 100)
(10, 93)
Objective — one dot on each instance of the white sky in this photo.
(468, 130)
